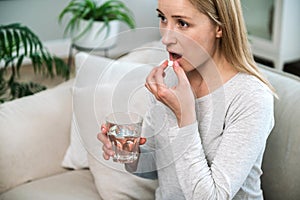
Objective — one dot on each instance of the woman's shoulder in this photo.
(248, 90)
(250, 98)
(247, 84)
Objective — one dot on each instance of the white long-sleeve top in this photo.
(220, 155)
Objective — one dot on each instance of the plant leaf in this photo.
(12, 38)
(19, 90)
(24, 41)
(85, 30)
(2, 45)
(88, 10)
(29, 41)
(19, 63)
(17, 41)
(62, 68)
(10, 42)
(48, 62)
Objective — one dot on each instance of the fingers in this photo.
(164, 65)
(107, 151)
(107, 146)
(155, 80)
(103, 135)
(142, 140)
(157, 71)
(104, 128)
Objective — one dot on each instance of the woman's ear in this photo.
(219, 32)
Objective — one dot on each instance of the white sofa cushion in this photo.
(76, 154)
(72, 185)
(113, 183)
(34, 136)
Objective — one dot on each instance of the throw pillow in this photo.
(76, 154)
(103, 86)
(86, 67)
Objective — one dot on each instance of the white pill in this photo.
(170, 63)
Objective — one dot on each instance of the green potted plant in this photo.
(18, 42)
(92, 25)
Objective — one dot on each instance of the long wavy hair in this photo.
(234, 42)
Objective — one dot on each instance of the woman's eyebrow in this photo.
(159, 11)
(174, 16)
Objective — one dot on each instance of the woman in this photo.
(208, 128)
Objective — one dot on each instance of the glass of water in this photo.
(124, 131)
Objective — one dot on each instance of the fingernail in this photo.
(176, 65)
(164, 63)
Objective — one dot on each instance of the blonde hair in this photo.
(234, 42)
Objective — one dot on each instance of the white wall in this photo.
(147, 26)
(42, 15)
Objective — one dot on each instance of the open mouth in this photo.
(174, 56)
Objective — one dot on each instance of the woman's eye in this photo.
(183, 24)
(162, 18)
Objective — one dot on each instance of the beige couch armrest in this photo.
(280, 179)
(34, 135)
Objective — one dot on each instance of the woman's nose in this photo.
(168, 36)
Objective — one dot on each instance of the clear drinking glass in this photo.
(124, 133)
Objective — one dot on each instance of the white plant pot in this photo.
(95, 39)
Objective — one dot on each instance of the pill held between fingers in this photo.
(170, 63)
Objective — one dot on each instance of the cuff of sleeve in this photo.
(184, 139)
(185, 131)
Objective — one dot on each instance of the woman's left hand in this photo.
(180, 98)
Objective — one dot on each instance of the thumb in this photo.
(142, 140)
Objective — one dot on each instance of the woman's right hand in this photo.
(107, 146)
(179, 98)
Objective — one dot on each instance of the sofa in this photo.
(49, 150)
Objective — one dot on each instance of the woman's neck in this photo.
(210, 76)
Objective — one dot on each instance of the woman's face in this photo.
(189, 35)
